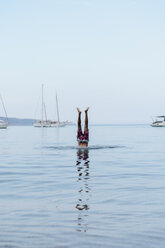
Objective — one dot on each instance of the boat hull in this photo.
(60, 124)
(40, 125)
(56, 124)
(153, 125)
(158, 124)
(3, 125)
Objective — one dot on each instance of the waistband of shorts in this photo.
(84, 140)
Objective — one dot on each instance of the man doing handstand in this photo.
(82, 138)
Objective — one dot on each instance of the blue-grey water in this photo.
(109, 195)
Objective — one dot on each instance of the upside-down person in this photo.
(82, 138)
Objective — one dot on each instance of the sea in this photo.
(54, 194)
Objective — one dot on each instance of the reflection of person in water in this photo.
(82, 138)
(84, 190)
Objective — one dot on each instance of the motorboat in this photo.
(160, 122)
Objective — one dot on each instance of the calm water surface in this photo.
(55, 195)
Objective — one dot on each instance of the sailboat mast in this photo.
(58, 117)
(42, 115)
(45, 112)
(4, 107)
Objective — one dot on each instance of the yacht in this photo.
(44, 122)
(160, 122)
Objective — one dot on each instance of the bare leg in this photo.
(86, 120)
(79, 120)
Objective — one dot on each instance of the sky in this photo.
(105, 54)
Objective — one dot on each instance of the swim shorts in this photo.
(83, 137)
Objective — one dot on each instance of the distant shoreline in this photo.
(14, 121)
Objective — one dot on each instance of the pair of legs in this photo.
(82, 138)
(79, 120)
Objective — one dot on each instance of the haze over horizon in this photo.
(104, 54)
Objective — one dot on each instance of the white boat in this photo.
(3, 124)
(44, 122)
(160, 122)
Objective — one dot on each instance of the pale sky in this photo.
(106, 54)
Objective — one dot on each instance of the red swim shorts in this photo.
(83, 137)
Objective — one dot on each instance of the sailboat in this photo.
(58, 123)
(43, 122)
(3, 124)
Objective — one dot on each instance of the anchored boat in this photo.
(3, 124)
(44, 122)
(160, 122)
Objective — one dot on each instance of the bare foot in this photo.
(78, 110)
(87, 109)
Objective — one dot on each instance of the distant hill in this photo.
(22, 122)
(18, 121)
